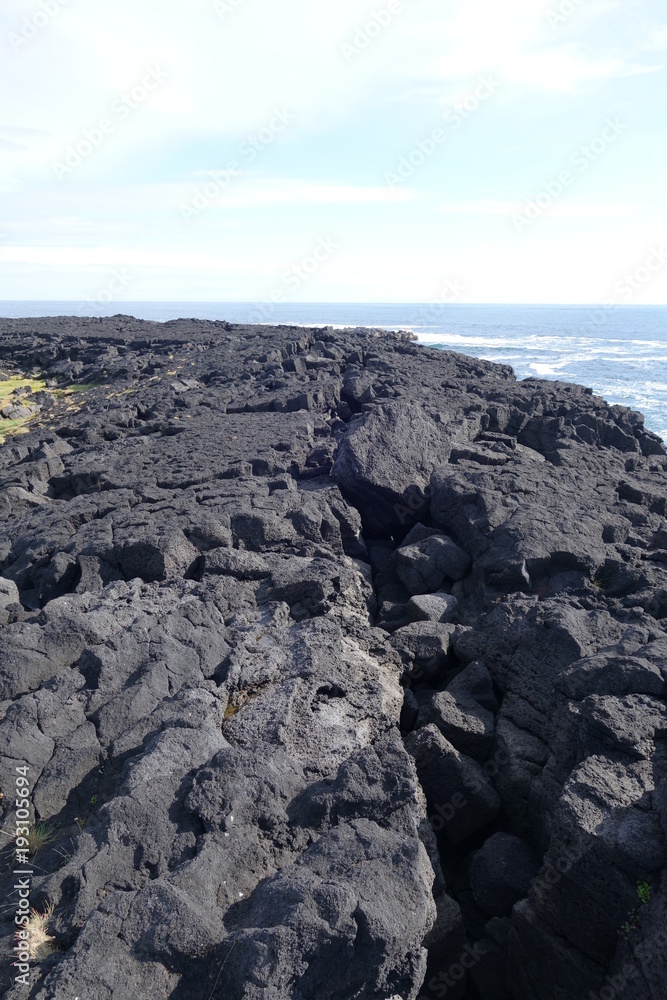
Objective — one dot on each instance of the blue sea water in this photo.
(620, 352)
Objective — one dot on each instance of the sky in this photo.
(334, 150)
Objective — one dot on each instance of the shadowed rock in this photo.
(501, 873)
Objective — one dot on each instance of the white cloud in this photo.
(526, 62)
(478, 207)
(643, 70)
(515, 41)
(563, 210)
(655, 39)
(286, 191)
(225, 77)
(96, 257)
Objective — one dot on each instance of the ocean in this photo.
(620, 351)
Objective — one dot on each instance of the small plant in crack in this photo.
(39, 836)
(66, 853)
(644, 892)
(40, 943)
(631, 924)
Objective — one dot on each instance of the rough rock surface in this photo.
(338, 669)
(501, 874)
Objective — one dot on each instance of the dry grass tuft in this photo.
(40, 943)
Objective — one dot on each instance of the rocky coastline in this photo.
(332, 667)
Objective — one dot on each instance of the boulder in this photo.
(461, 720)
(475, 682)
(154, 556)
(460, 796)
(424, 647)
(440, 607)
(501, 873)
(423, 567)
(384, 464)
(9, 593)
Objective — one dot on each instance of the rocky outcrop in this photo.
(338, 668)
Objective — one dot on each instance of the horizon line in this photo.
(328, 302)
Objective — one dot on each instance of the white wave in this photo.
(493, 343)
(542, 369)
(541, 343)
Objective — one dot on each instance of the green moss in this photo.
(632, 923)
(644, 892)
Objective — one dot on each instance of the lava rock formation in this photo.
(339, 667)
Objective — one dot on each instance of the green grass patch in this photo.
(8, 427)
(8, 387)
(12, 426)
(82, 387)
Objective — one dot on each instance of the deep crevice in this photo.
(454, 858)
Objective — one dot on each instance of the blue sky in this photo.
(312, 150)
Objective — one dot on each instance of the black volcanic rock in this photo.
(501, 873)
(424, 566)
(462, 720)
(315, 644)
(386, 458)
